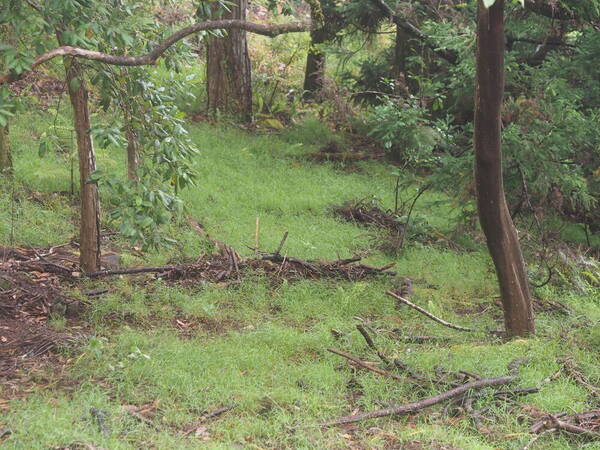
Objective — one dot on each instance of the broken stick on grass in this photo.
(428, 314)
(422, 404)
(371, 344)
(364, 365)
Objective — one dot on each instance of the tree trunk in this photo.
(314, 75)
(5, 153)
(228, 72)
(402, 49)
(132, 155)
(132, 146)
(494, 216)
(89, 239)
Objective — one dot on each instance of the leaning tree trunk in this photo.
(228, 72)
(494, 216)
(89, 239)
(5, 153)
(314, 75)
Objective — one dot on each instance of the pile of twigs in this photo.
(30, 291)
(369, 215)
(220, 268)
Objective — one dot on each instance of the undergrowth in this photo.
(261, 346)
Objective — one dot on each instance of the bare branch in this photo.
(151, 57)
(425, 403)
(428, 314)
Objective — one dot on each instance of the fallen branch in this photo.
(422, 404)
(364, 365)
(428, 314)
(564, 422)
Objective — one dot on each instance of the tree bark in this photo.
(228, 72)
(5, 152)
(89, 230)
(494, 216)
(132, 155)
(314, 75)
(132, 146)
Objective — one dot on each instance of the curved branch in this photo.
(151, 57)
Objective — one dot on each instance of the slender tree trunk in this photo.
(89, 239)
(132, 155)
(228, 71)
(494, 216)
(132, 146)
(5, 152)
(314, 75)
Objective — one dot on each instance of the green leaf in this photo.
(488, 3)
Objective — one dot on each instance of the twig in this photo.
(410, 210)
(217, 412)
(95, 292)
(571, 428)
(131, 271)
(364, 365)
(257, 236)
(343, 262)
(572, 372)
(371, 344)
(428, 314)
(422, 404)
(538, 436)
(281, 244)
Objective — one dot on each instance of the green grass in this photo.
(263, 347)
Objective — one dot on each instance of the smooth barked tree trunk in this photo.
(89, 230)
(228, 71)
(500, 233)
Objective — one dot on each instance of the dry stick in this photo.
(257, 236)
(217, 412)
(364, 365)
(428, 314)
(281, 244)
(574, 373)
(566, 426)
(131, 270)
(421, 404)
(343, 262)
(371, 344)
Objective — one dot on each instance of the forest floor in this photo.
(243, 363)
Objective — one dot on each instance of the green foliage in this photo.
(406, 132)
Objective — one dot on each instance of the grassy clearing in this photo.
(263, 347)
